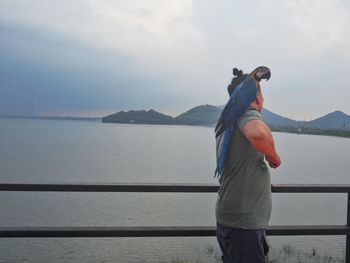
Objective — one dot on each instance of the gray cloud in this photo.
(44, 73)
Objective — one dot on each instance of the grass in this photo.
(286, 254)
(289, 254)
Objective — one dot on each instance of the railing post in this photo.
(347, 255)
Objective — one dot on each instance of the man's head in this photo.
(237, 79)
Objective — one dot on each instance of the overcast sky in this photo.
(96, 57)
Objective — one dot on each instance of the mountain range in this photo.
(207, 115)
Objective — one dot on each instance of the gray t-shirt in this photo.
(244, 197)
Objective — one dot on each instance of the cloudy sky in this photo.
(95, 57)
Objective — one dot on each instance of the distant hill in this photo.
(140, 117)
(201, 115)
(277, 120)
(334, 120)
(207, 115)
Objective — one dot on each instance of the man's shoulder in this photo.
(250, 114)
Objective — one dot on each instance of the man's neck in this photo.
(254, 106)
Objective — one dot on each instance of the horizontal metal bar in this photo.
(308, 230)
(311, 188)
(160, 231)
(106, 231)
(169, 188)
(85, 187)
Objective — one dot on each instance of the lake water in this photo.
(36, 151)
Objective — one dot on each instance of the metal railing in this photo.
(169, 231)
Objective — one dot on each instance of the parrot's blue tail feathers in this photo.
(222, 150)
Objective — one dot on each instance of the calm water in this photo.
(82, 151)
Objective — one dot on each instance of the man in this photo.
(243, 205)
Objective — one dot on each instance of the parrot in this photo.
(239, 101)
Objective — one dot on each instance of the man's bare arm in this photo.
(261, 138)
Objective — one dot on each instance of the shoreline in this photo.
(343, 133)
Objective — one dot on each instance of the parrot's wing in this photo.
(238, 103)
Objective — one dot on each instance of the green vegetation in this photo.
(313, 131)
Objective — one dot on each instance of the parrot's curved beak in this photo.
(266, 76)
(260, 73)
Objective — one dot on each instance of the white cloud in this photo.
(323, 23)
(135, 27)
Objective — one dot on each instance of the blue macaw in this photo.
(240, 99)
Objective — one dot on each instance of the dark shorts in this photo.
(242, 245)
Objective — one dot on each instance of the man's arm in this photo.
(261, 138)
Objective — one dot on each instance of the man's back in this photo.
(244, 198)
